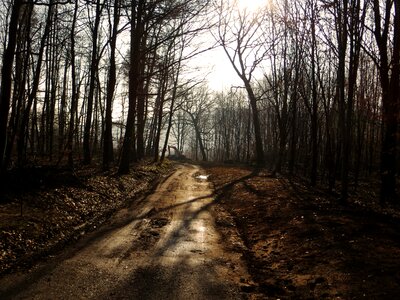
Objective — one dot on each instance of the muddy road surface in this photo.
(166, 247)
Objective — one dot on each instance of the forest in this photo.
(113, 138)
(110, 80)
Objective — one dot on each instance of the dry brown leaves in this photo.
(54, 215)
(301, 243)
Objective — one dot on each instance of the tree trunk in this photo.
(171, 111)
(62, 108)
(6, 79)
(199, 139)
(390, 95)
(256, 124)
(87, 157)
(136, 36)
(314, 105)
(74, 95)
(21, 140)
(20, 81)
(108, 155)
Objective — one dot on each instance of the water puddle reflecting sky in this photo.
(202, 177)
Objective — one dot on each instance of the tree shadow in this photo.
(205, 275)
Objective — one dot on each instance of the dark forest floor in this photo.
(301, 244)
(42, 209)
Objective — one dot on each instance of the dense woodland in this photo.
(110, 81)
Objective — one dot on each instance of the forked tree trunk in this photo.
(21, 139)
(128, 148)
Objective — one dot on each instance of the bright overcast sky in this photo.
(221, 73)
(214, 64)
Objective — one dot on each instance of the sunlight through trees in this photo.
(112, 80)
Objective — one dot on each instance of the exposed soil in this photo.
(42, 209)
(301, 244)
(253, 237)
(166, 247)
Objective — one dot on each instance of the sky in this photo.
(218, 69)
(212, 65)
(215, 65)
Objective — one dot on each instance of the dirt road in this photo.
(165, 248)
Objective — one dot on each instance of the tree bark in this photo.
(136, 36)
(87, 157)
(6, 79)
(21, 140)
(390, 96)
(256, 124)
(108, 155)
(198, 137)
(74, 95)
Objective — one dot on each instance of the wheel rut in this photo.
(167, 249)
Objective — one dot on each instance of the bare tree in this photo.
(75, 92)
(93, 76)
(6, 78)
(197, 107)
(22, 135)
(241, 36)
(111, 84)
(137, 27)
(389, 70)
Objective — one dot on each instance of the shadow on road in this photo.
(190, 273)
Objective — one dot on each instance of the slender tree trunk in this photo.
(171, 110)
(61, 109)
(141, 105)
(54, 79)
(108, 155)
(6, 79)
(199, 139)
(87, 157)
(20, 81)
(159, 109)
(21, 140)
(74, 95)
(314, 105)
